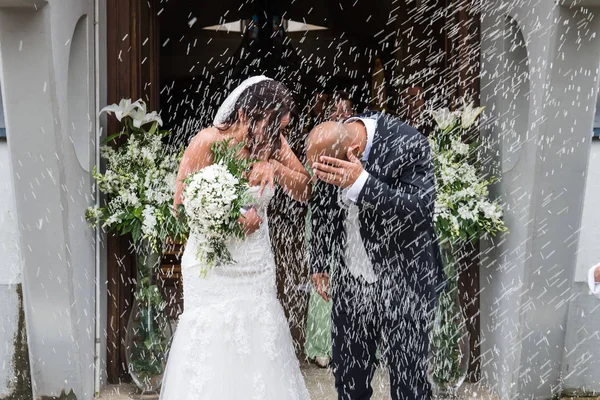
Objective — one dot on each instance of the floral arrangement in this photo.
(139, 179)
(140, 183)
(213, 198)
(463, 209)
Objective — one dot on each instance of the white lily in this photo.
(150, 117)
(469, 115)
(123, 109)
(444, 118)
(141, 117)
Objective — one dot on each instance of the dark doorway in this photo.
(309, 47)
(312, 47)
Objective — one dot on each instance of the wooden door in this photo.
(132, 71)
(462, 60)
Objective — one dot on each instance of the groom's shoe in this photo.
(322, 362)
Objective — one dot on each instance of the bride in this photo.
(232, 340)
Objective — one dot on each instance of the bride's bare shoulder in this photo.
(208, 135)
(205, 138)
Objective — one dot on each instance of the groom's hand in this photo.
(321, 283)
(339, 172)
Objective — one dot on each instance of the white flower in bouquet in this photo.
(209, 199)
(113, 219)
(149, 221)
(130, 198)
(208, 196)
(468, 173)
(141, 116)
(448, 174)
(465, 212)
(137, 111)
(464, 194)
(460, 148)
(490, 210)
(142, 119)
(95, 213)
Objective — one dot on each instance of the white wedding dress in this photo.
(232, 341)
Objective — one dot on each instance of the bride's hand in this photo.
(262, 173)
(250, 221)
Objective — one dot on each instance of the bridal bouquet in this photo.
(213, 198)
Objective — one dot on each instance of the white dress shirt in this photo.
(355, 256)
(370, 126)
(594, 287)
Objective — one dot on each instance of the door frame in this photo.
(132, 72)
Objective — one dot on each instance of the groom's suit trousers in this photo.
(361, 325)
(396, 210)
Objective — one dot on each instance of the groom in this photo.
(372, 216)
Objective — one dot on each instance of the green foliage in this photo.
(449, 364)
(463, 208)
(149, 344)
(139, 186)
(228, 155)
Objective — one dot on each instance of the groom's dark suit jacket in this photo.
(396, 208)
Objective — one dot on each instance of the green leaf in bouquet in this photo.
(126, 228)
(137, 212)
(227, 154)
(136, 232)
(308, 169)
(153, 128)
(113, 136)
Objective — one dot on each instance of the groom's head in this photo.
(330, 139)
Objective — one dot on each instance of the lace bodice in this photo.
(253, 268)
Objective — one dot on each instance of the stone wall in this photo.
(48, 75)
(10, 272)
(540, 79)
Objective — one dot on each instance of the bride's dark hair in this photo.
(266, 99)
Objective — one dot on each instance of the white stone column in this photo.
(47, 65)
(540, 67)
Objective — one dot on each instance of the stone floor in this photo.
(320, 386)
